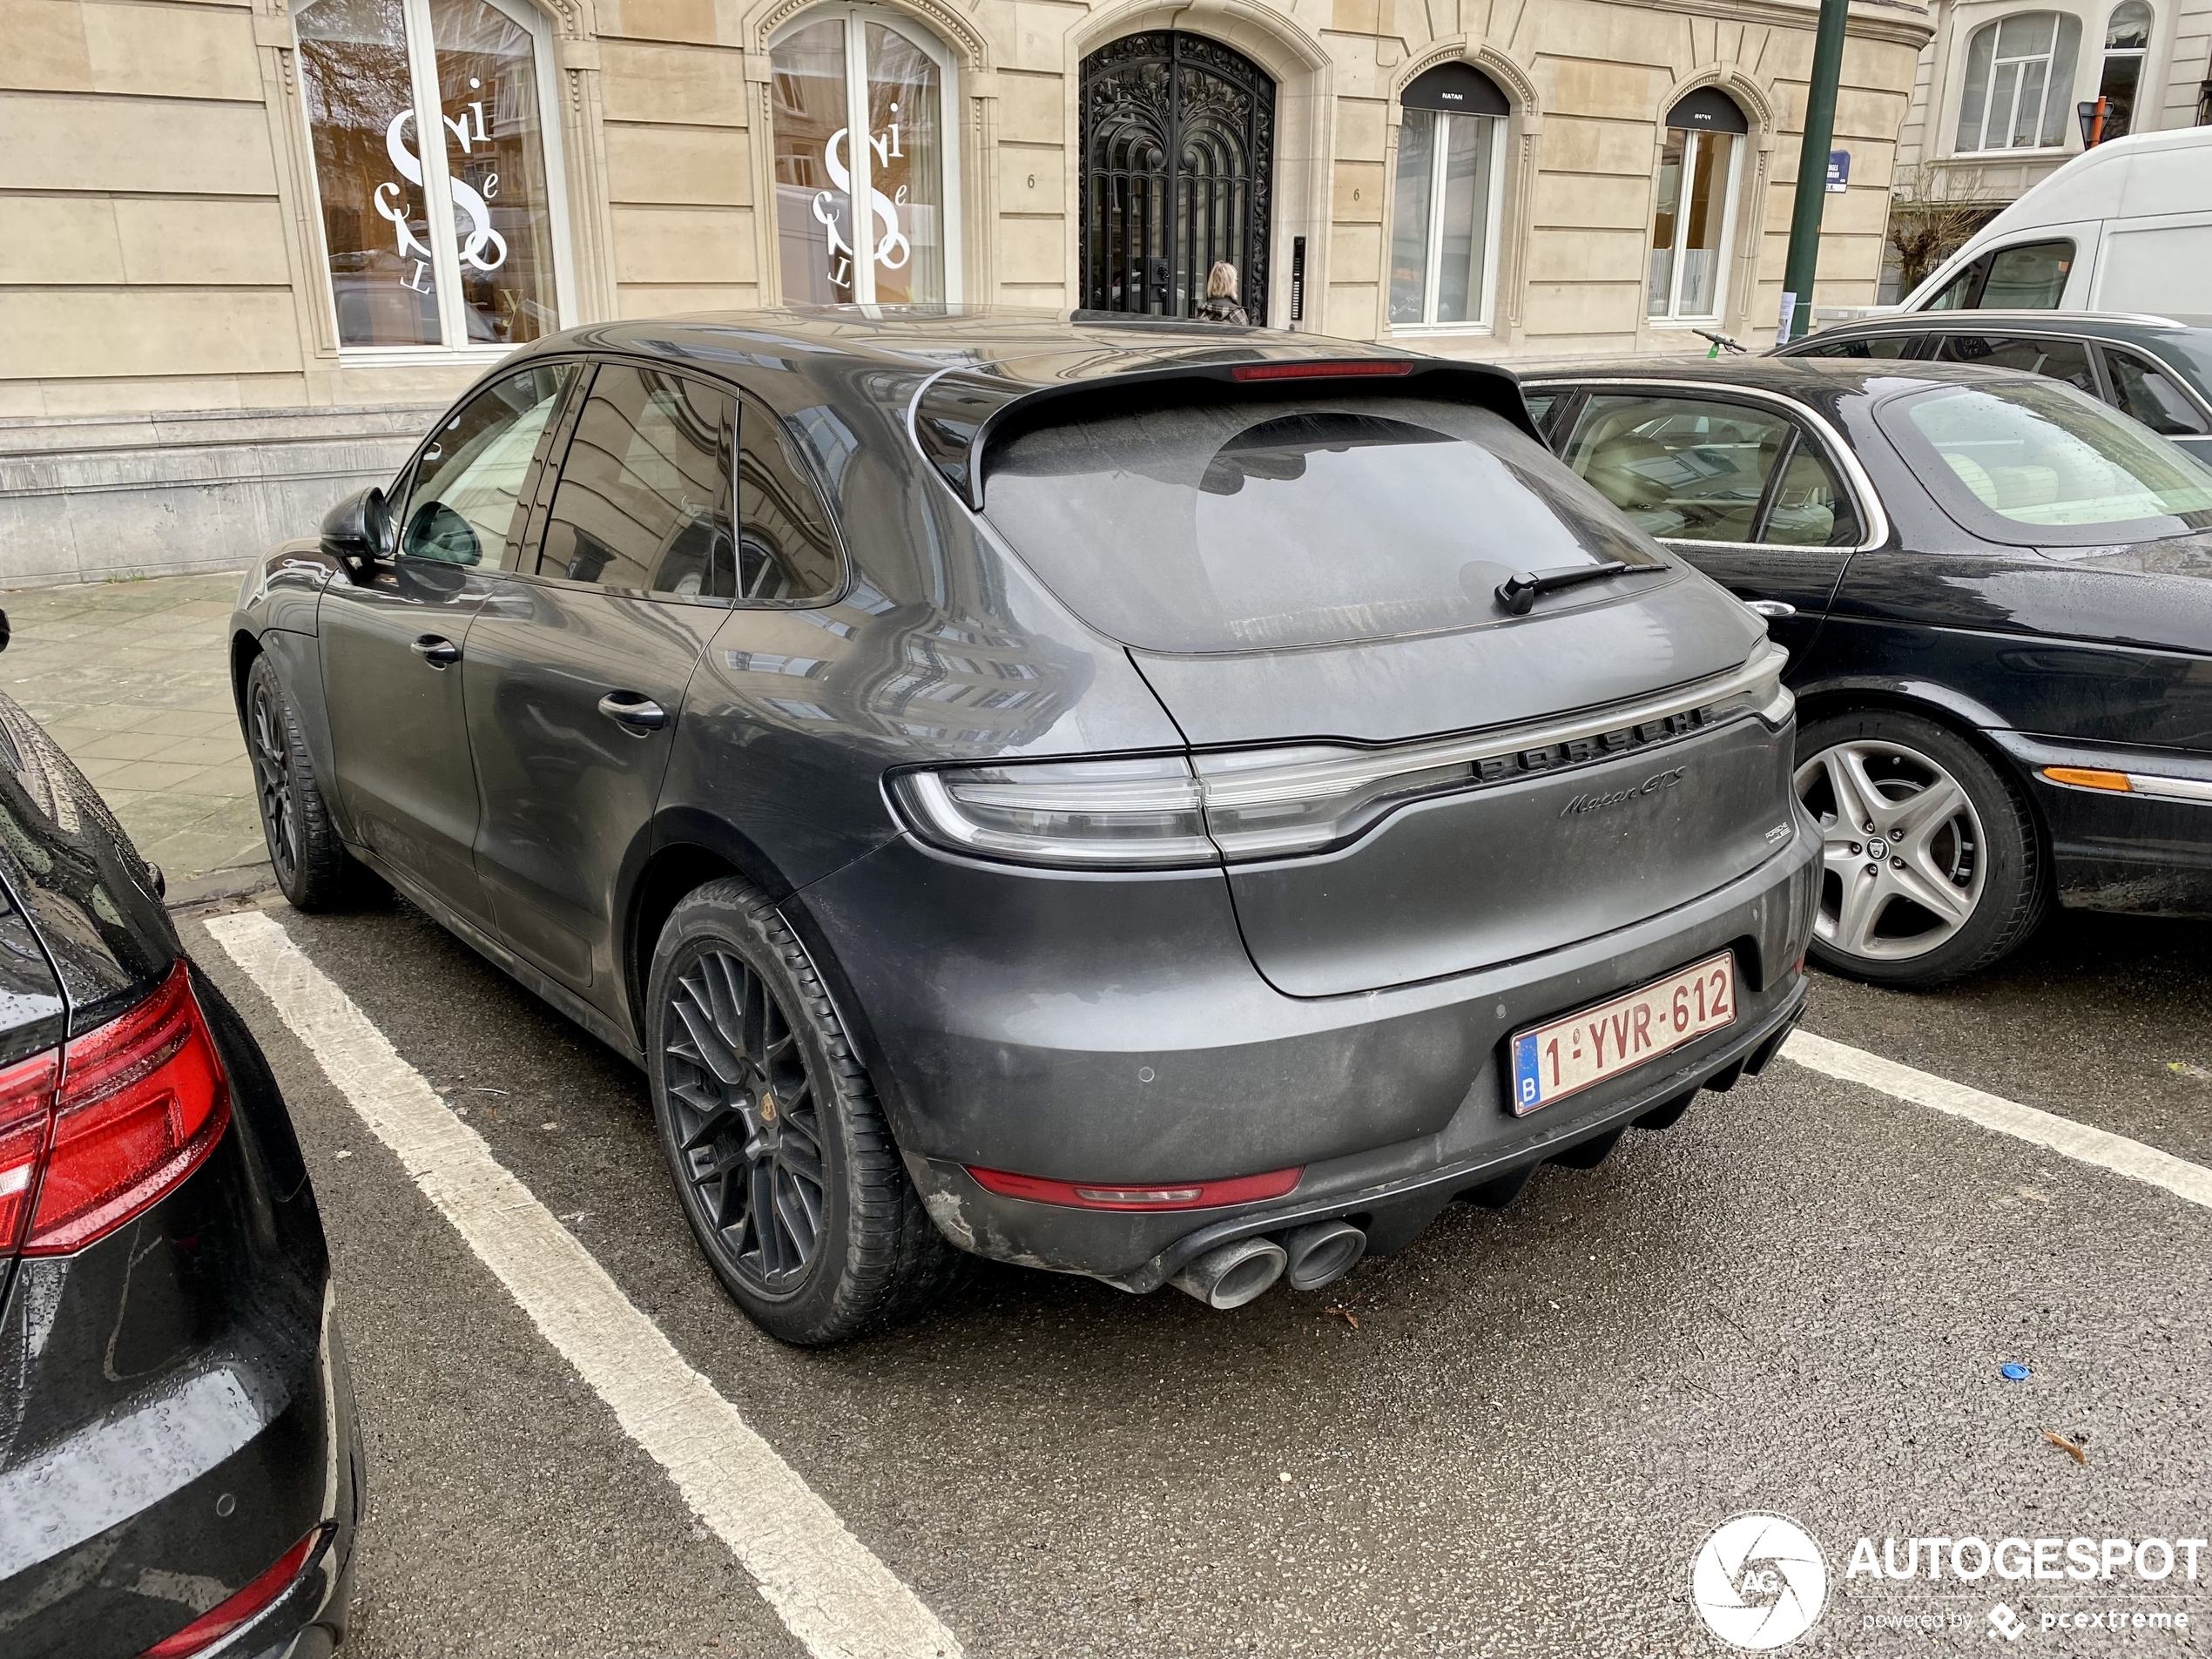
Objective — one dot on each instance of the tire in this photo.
(1964, 886)
(772, 1131)
(311, 865)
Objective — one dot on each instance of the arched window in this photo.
(2126, 42)
(1694, 217)
(450, 245)
(2019, 82)
(1443, 228)
(901, 247)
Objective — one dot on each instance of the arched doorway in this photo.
(1178, 139)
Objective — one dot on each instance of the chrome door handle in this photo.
(1773, 610)
(635, 714)
(436, 650)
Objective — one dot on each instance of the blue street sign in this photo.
(1838, 171)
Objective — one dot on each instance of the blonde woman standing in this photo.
(1220, 304)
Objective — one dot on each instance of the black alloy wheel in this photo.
(745, 1124)
(783, 1164)
(311, 865)
(272, 777)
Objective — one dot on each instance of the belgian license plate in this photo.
(1552, 1062)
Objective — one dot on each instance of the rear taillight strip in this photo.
(1241, 805)
(90, 1138)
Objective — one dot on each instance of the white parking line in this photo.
(2061, 1135)
(830, 1590)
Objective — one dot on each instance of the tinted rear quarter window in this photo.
(1298, 521)
(2149, 394)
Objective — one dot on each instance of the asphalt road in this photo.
(1510, 1439)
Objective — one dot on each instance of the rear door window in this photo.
(1298, 520)
(2060, 359)
(644, 497)
(2149, 394)
(1710, 469)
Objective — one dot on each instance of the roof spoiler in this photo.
(959, 414)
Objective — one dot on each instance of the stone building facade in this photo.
(234, 279)
(1998, 91)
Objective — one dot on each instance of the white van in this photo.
(2126, 226)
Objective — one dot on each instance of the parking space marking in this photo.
(2061, 1135)
(830, 1590)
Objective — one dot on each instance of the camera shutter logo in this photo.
(1759, 1581)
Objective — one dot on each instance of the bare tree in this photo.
(1932, 211)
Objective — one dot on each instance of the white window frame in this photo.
(2107, 52)
(860, 159)
(1723, 253)
(2047, 58)
(452, 322)
(1484, 321)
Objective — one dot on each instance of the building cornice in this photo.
(1897, 21)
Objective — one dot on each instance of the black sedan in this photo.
(1998, 597)
(2158, 369)
(179, 1466)
(1173, 806)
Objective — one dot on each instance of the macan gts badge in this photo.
(956, 758)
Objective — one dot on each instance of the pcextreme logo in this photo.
(1759, 1581)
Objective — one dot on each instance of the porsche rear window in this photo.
(1304, 521)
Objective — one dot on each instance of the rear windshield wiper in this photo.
(1517, 593)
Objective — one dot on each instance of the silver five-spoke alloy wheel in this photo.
(1903, 850)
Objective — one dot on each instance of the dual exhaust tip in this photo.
(1228, 1275)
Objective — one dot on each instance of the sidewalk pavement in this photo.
(132, 679)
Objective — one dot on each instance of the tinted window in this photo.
(1868, 346)
(2061, 359)
(1303, 521)
(470, 477)
(1699, 469)
(644, 502)
(2148, 392)
(2027, 279)
(2036, 462)
(784, 549)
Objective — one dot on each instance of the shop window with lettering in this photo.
(866, 188)
(448, 244)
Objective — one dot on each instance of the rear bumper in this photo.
(2135, 852)
(1116, 1032)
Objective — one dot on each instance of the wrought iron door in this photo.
(1178, 140)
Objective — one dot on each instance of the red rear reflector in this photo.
(1196, 1195)
(26, 1106)
(220, 1621)
(1321, 370)
(142, 1101)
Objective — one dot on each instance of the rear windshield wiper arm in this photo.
(1517, 593)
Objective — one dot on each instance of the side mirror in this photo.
(6, 634)
(358, 531)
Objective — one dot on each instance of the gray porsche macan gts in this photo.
(1169, 803)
